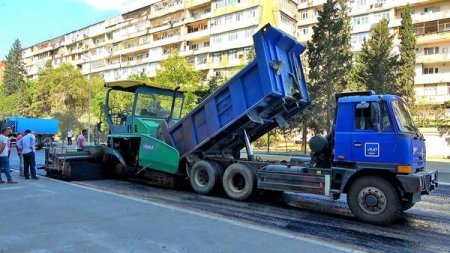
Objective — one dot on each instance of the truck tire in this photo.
(375, 200)
(239, 181)
(38, 143)
(407, 205)
(46, 141)
(205, 176)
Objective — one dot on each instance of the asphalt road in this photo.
(424, 228)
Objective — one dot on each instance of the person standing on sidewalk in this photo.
(69, 137)
(4, 159)
(81, 140)
(27, 144)
(19, 153)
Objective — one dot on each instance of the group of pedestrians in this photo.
(25, 144)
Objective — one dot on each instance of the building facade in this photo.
(431, 20)
(214, 35)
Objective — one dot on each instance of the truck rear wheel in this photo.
(374, 200)
(239, 181)
(205, 176)
(407, 205)
(39, 144)
(46, 141)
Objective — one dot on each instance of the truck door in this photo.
(373, 136)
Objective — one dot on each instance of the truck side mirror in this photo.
(362, 106)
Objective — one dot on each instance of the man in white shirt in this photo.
(69, 137)
(27, 144)
(4, 159)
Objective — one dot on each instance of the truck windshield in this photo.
(403, 117)
(157, 106)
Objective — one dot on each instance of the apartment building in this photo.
(214, 35)
(431, 19)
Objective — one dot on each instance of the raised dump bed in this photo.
(263, 95)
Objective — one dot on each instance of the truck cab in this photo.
(377, 131)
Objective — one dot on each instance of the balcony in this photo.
(432, 36)
(165, 26)
(197, 35)
(430, 16)
(443, 57)
(167, 40)
(234, 8)
(307, 21)
(310, 3)
(432, 78)
(432, 99)
(194, 3)
(164, 11)
(198, 51)
(197, 18)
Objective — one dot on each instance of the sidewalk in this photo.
(53, 216)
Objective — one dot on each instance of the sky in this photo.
(34, 21)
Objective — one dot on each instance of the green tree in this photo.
(407, 61)
(176, 71)
(251, 54)
(61, 88)
(376, 64)
(329, 62)
(14, 74)
(210, 86)
(141, 76)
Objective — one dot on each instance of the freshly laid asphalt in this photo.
(48, 215)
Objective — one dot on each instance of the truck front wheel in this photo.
(374, 200)
(239, 181)
(205, 176)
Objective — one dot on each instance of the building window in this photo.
(232, 36)
(445, 50)
(217, 39)
(304, 31)
(430, 89)
(361, 2)
(228, 19)
(239, 16)
(130, 58)
(304, 14)
(217, 57)
(431, 50)
(194, 47)
(249, 33)
(382, 15)
(431, 9)
(427, 71)
(232, 54)
(252, 13)
(361, 20)
(206, 44)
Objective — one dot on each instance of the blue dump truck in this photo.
(44, 129)
(374, 154)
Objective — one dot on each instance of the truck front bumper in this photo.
(421, 182)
